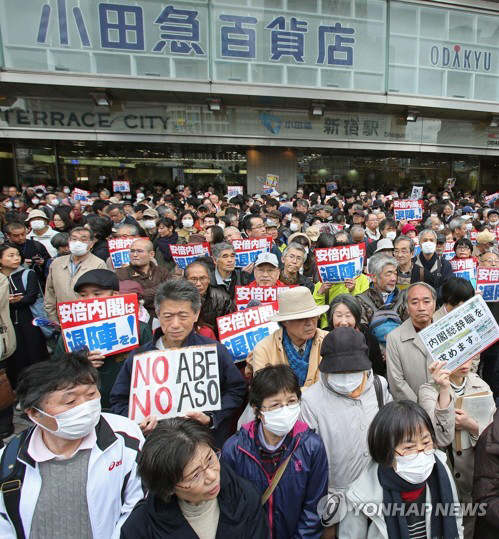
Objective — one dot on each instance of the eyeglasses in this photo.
(258, 226)
(198, 279)
(411, 454)
(198, 477)
(295, 258)
(292, 403)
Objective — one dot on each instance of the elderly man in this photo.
(298, 341)
(117, 215)
(388, 229)
(407, 359)
(433, 223)
(232, 233)
(178, 305)
(458, 228)
(372, 232)
(41, 231)
(75, 472)
(403, 253)
(226, 276)
(143, 270)
(66, 270)
(485, 242)
(266, 271)
(214, 302)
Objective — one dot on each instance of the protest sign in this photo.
(169, 383)
(241, 331)
(464, 268)
(473, 236)
(417, 247)
(109, 324)
(487, 282)
(80, 194)
(263, 294)
(461, 334)
(272, 180)
(492, 198)
(449, 252)
(335, 264)
(183, 255)
(122, 186)
(234, 190)
(267, 189)
(450, 183)
(331, 186)
(119, 251)
(417, 192)
(40, 187)
(410, 210)
(247, 250)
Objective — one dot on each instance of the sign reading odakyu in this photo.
(460, 57)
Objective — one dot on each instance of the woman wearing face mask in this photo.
(390, 498)
(187, 219)
(275, 441)
(342, 404)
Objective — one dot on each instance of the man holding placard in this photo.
(178, 305)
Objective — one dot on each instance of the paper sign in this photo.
(234, 191)
(169, 383)
(121, 186)
(80, 194)
(331, 186)
(473, 236)
(464, 268)
(272, 180)
(449, 252)
(108, 324)
(450, 182)
(487, 282)
(119, 251)
(263, 294)
(335, 264)
(492, 198)
(410, 210)
(241, 331)
(247, 250)
(267, 189)
(417, 192)
(183, 255)
(461, 334)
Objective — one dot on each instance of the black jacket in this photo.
(216, 303)
(237, 278)
(241, 514)
(30, 249)
(440, 271)
(100, 250)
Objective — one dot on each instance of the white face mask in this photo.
(187, 223)
(35, 201)
(37, 224)
(391, 235)
(375, 210)
(428, 247)
(67, 190)
(415, 470)
(441, 227)
(469, 226)
(140, 196)
(78, 248)
(149, 223)
(8, 204)
(281, 421)
(434, 214)
(294, 227)
(76, 422)
(345, 382)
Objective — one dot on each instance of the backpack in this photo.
(7, 334)
(385, 318)
(38, 308)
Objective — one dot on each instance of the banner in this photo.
(234, 191)
(241, 331)
(473, 236)
(461, 334)
(492, 198)
(449, 252)
(263, 294)
(108, 324)
(80, 195)
(119, 251)
(247, 250)
(487, 282)
(183, 255)
(417, 192)
(331, 186)
(272, 180)
(464, 268)
(121, 186)
(410, 210)
(267, 189)
(169, 383)
(335, 264)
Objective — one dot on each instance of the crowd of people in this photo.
(339, 410)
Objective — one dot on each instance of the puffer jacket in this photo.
(216, 303)
(292, 507)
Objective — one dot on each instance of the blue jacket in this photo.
(232, 384)
(292, 507)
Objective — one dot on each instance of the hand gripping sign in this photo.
(119, 251)
(335, 264)
(247, 250)
(107, 324)
(169, 383)
(183, 255)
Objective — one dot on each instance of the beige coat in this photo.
(60, 283)
(407, 362)
(271, 351)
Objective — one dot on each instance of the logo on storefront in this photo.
(271, 122)
(461, 58)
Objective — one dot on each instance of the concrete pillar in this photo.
(279, 161)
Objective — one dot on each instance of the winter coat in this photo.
(100, 249)
(237, 278)
(440, 272)
(215, 303)
(241, 514)
(375, 296)
(292, 507)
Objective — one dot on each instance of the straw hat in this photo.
(297, 303)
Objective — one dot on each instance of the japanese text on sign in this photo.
(107, 324)
(121, 186)
(335, 264)
(410, 210)
(487, 283)
(80, 194)
(464, 268)
(234, 190)
(119, 251)
(247, 250)
(417, 192)
(263, 294)
(461, 334)
(183, 255)
(169, 383)
(449, 252)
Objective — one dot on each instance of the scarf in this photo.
(298, 362)
(164, 243)
(442, 527)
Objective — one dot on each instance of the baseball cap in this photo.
(267, 258)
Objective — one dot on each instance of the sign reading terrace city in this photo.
(247, 250)
(335, 264)
(183, 255)
(410, 210)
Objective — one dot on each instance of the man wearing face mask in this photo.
(485, 243)
(148, 223)
(51, 203)
(66, 270)
(75, 471)
(387, 229)
(40, 230)
(342, 404)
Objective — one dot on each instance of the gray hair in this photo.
(377, 263)
(217, 248)
(428, 223)
(298, 247)
(343, 234)
(82, 229)
(457, 222)
(177, 290)
(427, 231)
(404, 238)
(132, 228)
(355, 228)
(420, 283)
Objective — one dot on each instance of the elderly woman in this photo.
(298, 341)
(406, 474)
(275, 441)
(293, 258)
(191, 493)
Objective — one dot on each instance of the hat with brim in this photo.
(297, 303)
(296, 235)
(485, 237)
(37, 214)
(344, 350)
(313, 232)
(383, 244)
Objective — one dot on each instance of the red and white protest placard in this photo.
(247, 250)
(449, 252)
(241, 331)
(335, 264)
(487, 282)
(473, 236)
(492, 198)
(464, 267)
(410, 210)
(108, 324)
(183, 255)
(169, 383)
(121, 186)
(263, 294)
(80, 195)
(119, 251)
